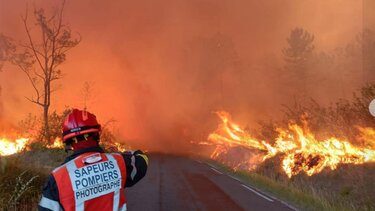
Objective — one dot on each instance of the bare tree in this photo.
(41, 57)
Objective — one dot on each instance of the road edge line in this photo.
(217, 171)
(256, 192)
(234, 178)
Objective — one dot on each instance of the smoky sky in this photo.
(161, 68)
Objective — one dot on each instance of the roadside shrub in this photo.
(20, 187)
(349, 187)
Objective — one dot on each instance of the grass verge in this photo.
(23, 175)
(301, 200)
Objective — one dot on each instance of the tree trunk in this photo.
(47, 135)
(47, 92)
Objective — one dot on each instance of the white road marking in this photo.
(212, 166)
(259, 194)
(234, 178)
(268, 198)
(198, 161)
(274, 198)
(216, 171)
(290, 206)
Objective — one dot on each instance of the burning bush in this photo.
(30, 135)
(307, 145)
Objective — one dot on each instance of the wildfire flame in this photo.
(300, 150)
(57, 143)
(9, 147)
(120, 147)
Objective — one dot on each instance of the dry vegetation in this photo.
(349, 187)
(307, 71)
(21, 180)
(22, 175)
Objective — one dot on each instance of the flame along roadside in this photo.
(12, 146)
(300, 150)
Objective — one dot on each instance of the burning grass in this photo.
(320, 161)
(8, 147)
(348, 187)
(302, 152)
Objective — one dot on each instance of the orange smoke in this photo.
(168, 53)
(301, 151)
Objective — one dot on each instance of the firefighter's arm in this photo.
(136, 166)
(50, 196)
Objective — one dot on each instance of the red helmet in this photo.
(79, 122)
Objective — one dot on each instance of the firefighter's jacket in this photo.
(93, 180)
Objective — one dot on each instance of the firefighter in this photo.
(90, 179)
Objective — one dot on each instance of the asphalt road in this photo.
(178, 183)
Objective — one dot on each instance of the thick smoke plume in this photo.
(160, 68)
